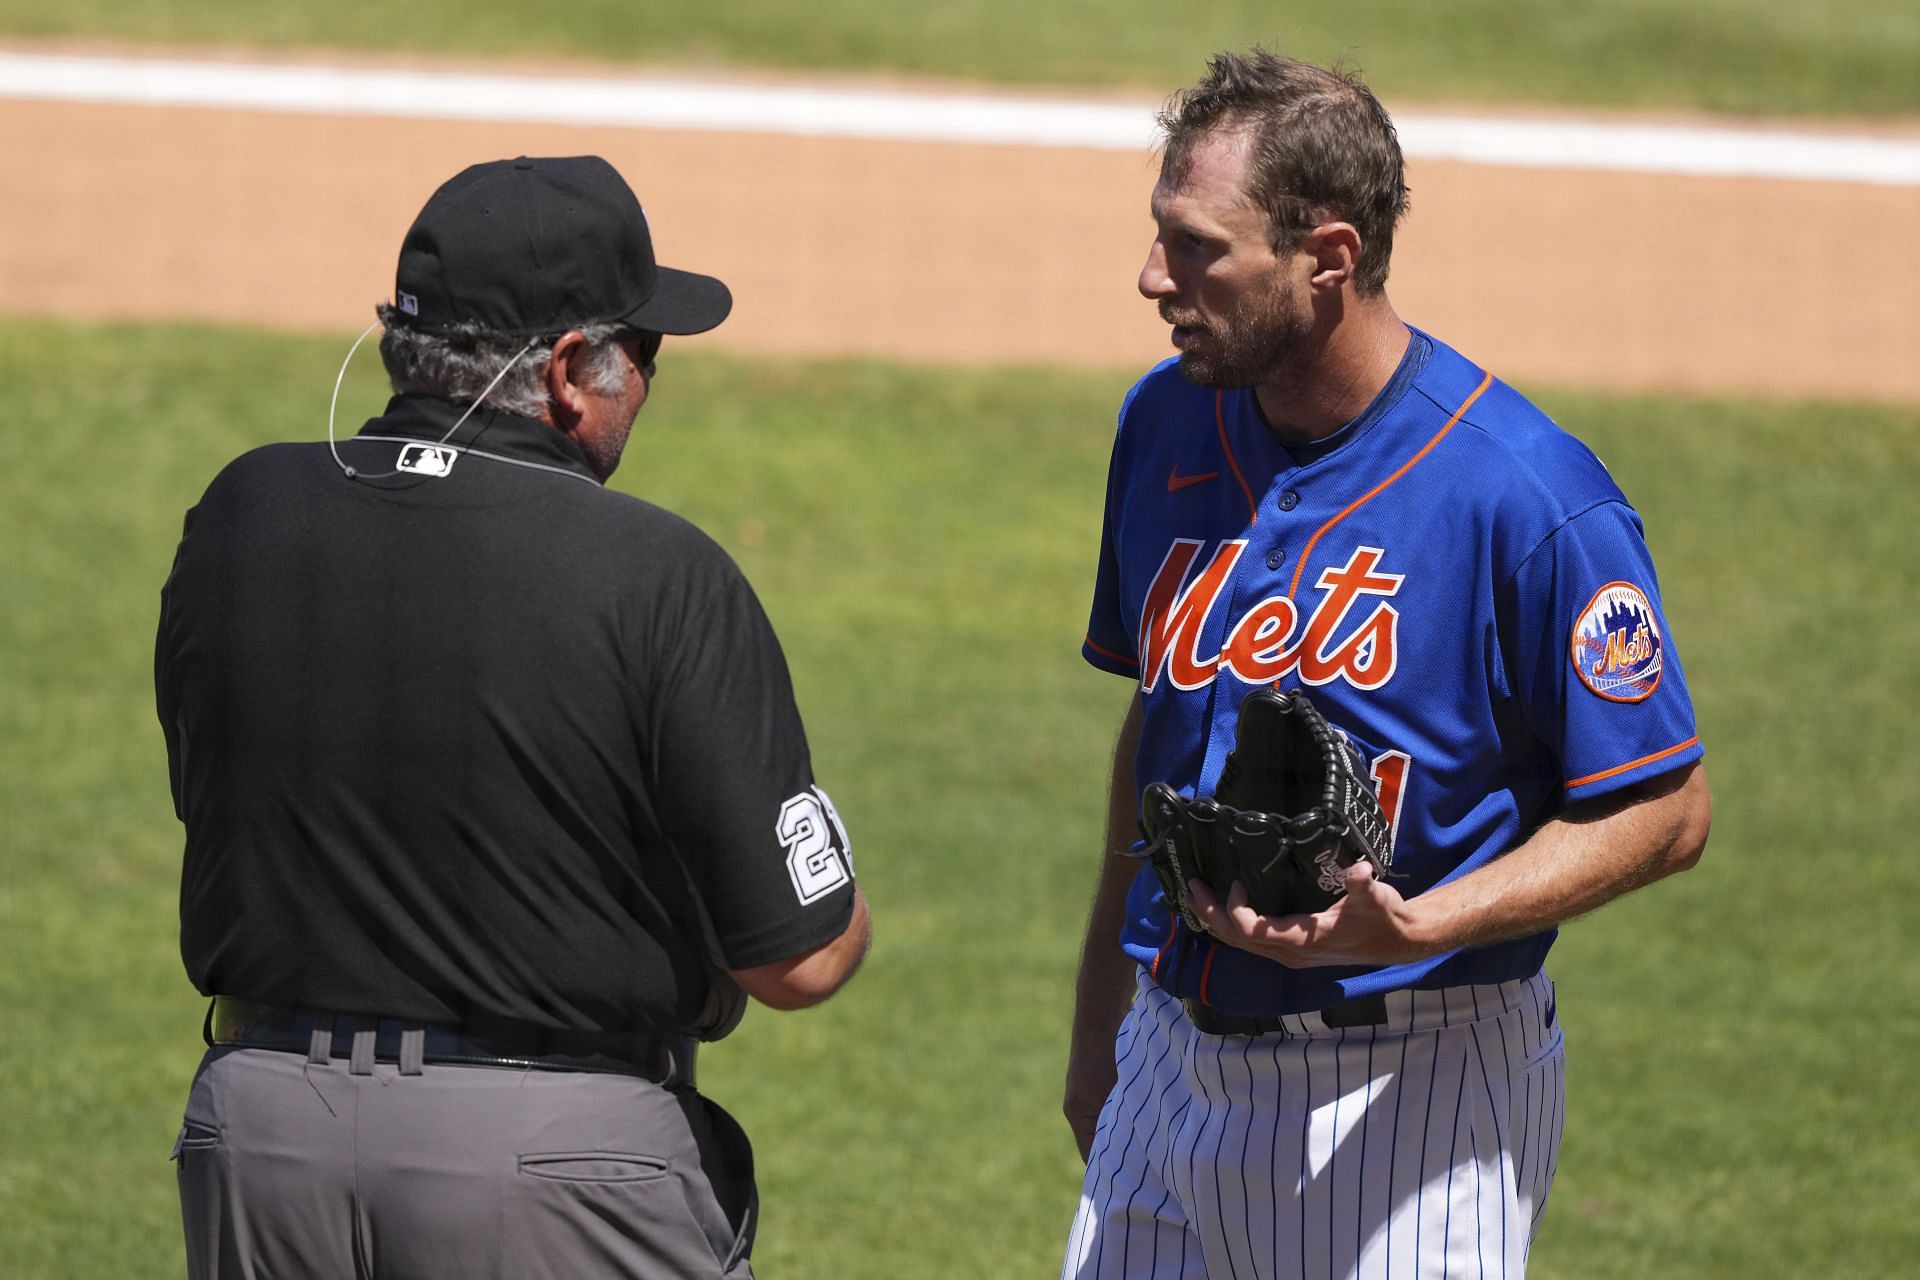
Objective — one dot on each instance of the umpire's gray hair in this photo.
(458, 364)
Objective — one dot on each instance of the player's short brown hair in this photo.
(1324, 149)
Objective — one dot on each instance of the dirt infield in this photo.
(969, 254)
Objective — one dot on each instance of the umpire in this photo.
(495, 793)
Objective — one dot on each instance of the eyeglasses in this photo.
(649, 344)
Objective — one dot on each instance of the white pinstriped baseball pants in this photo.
(1423, 1147)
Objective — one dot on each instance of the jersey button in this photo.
(1289, 500)
(1275, 558)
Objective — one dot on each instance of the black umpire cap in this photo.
(537, 246)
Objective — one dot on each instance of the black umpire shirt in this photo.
(481, 735)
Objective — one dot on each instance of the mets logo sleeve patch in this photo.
(1616, 644)
(1601, 679)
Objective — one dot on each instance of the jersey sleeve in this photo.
(1596, 668)
(763, 846)
(1110, 643)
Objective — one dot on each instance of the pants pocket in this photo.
(1545, 1051)
(594, 1166)
(194, 1136)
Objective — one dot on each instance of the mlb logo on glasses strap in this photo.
(426, 460)
(409, 304)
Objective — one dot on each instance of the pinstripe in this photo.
(1535, 1138)
(1333, 1156)
(1366, 1115)
(1194, 1133)
(1219, 1193)
(1306, 1146)
(1076, 1239)
(1175, 1125)
(1167, 1189)
(1453, 1162)
(1536, 1110)
(1497, 1113)
(1273, 1177)
(1101, 1214)
(1542, 1181)
(1522, 1164)
(1479, 1189)
(1246, 1151)
(1159, 1224)
(1548, 1106)
(1393, 1149)
(1420, 1194)
(1518, 1114)
(1537, 1178)
(1152, 1094)
(1110, 1113)
(1559, 1116)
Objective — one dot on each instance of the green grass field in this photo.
(1766, 57)
(924, 543)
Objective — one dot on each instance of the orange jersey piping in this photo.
(1631, 765)
(1293, 588)
(1206, 970)
(1220, 421)
(1105, 652)
(1173, 927)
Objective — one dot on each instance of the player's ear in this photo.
(1334, 250)
(564, 374)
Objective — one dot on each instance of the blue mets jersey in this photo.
(1458, 583)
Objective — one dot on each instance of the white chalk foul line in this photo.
(858, 113)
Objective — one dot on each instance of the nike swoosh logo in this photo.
(1176, 482)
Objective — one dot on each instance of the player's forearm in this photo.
(1105, 983)
(1104, 986)
(1571, 866)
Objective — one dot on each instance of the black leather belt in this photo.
(485, 1042)
(1362, 1011)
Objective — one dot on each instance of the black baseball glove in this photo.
(1292, 812)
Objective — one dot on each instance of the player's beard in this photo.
(1250, 345)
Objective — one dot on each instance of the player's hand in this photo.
(1372, 925)
(1090, 1077)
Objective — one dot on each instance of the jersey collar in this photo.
(1412, 361)
(494, 431)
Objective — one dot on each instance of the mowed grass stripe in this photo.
(1754, 57)
(924, 541)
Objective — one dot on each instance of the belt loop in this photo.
(677, 1055)
(413, 1050)
(206, 1026)
(361, 1063)
(320, 1041)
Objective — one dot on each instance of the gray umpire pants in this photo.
(289, 1168)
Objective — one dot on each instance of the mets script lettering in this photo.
(1622, 653)
(1262, 646)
